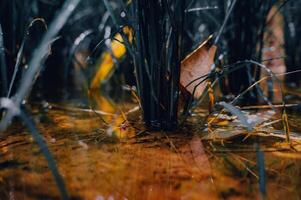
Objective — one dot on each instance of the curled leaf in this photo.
(196, 66)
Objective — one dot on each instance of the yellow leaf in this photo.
(106, 65)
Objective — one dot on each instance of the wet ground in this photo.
(106, 161)
(108, 154)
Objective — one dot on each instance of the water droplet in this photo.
(123, 14)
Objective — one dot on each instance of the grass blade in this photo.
(46, 153)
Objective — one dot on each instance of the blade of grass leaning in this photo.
(39, 54)
(224, 22)
(46, 153)
(261, 171)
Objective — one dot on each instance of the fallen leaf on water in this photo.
(196, 65)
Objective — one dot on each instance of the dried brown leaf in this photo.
(196, 65)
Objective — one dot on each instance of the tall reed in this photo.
(158, 29)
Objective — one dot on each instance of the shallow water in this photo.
(135, 164)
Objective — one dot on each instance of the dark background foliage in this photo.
(202, 18)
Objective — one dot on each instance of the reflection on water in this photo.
(149, 166)
(114, 116)
(106, 159)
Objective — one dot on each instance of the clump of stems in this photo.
(158, 29)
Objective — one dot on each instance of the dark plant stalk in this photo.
(158, 37)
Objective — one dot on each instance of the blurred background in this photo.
(261, 30)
